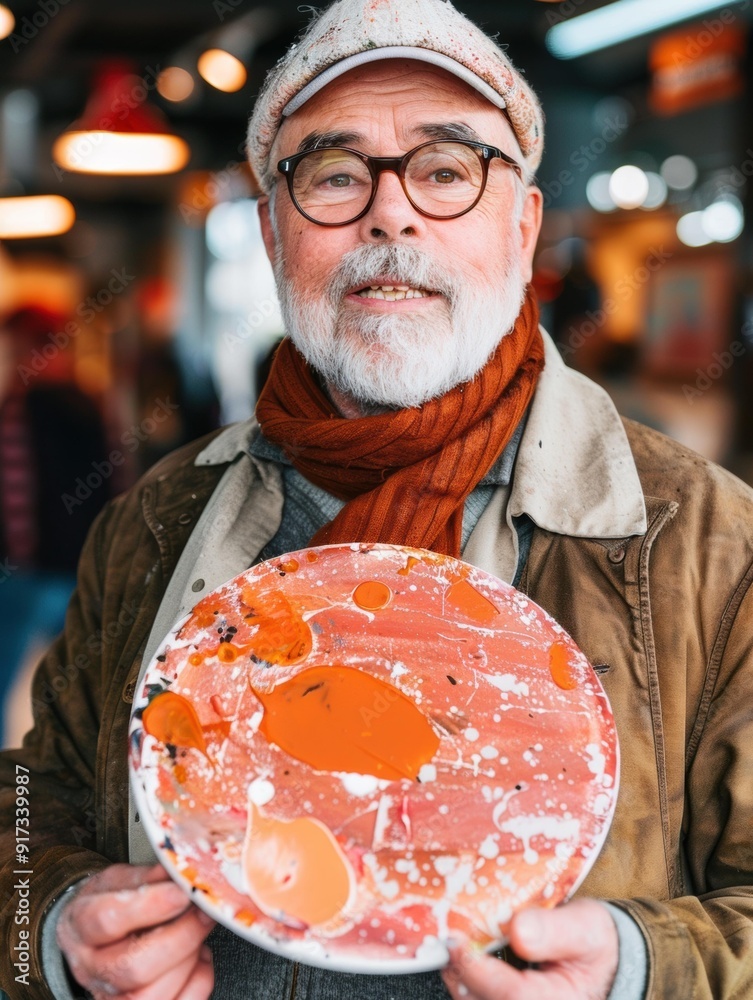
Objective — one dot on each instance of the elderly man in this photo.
(415, 402)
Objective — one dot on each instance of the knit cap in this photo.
(350, 33)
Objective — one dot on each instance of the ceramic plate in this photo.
(352, 752)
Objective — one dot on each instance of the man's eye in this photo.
(445, 176)
(339, 181)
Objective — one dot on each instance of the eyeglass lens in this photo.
(335, 186)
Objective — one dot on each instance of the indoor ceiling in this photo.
(67, 41)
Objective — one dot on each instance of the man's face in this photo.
(471, 272)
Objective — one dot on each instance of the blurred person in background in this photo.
(51, 435)
(417, 401)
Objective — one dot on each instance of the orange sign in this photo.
(700, 64)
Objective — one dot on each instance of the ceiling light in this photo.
(724, 221)
(232, 229)
(115, 153)
(222, 70)
(7, 21)
(629, 187)
(38, 215)
(657, 191)
(679, 172)
(175, 84)
(691, 232)
(597, 192)
(620, 21)
(118, 133)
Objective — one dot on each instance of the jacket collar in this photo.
(574, 472)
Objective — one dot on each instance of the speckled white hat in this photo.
(350, 33)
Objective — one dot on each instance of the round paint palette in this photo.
(350, 753)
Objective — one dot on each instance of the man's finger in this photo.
(167, 987)
(457, 989)
(117, 877)
(578, 931)
(484, 978)
(201, 983)
(104, 918)
(137, 962)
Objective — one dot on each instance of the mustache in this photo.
(405, 264)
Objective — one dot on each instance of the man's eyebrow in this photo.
(448, 130)
(317, 140)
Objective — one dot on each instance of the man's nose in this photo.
(391, 216)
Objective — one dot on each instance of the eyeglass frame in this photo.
(377, 165)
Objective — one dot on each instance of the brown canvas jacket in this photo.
(665, 618)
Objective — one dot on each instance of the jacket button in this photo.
(197, 586)
(185, 519)
(617, 555)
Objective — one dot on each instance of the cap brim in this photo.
(393, 52)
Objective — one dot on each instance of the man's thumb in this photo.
(574, 931)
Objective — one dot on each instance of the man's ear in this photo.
(530, 227)
(267, 232)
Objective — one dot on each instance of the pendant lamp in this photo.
(29, 216)
(119, 133)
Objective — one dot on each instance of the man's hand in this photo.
(132, 931)
(575, 946)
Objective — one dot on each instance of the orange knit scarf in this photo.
(405, 474)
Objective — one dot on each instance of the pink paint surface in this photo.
(495, 717)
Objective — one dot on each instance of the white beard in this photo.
(395, 362)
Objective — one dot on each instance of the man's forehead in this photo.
(424, 132)
(425, 101)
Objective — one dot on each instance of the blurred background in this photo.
(137, 308)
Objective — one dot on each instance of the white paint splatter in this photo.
(359, 784)
(508, 682)
(427, 773)
(261, 791)
(598, 761)
(489, 848)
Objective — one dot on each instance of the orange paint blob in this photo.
(283, 637)
(372, 595)
(290, 566)
(464, 597)
(171, 718)
(227, 652)
(312, 557)
(341, 719)
(412, 561)
(295, 868)
(562, 670)
(246, 917)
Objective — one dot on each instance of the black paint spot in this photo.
(314, 687)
